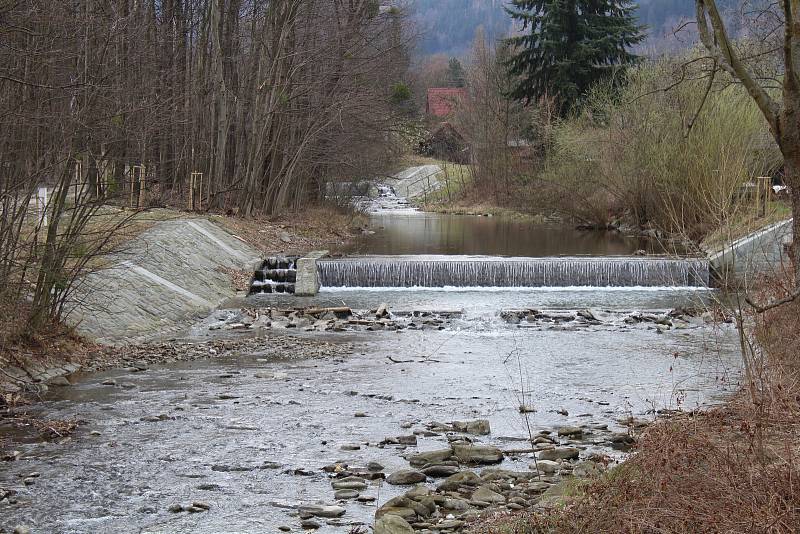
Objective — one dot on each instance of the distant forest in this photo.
(448, 26)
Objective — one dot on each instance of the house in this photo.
(445, 142)
(442, 101)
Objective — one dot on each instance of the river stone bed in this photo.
(312, 319)
(330, 430)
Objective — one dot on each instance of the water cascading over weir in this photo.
(491, 271)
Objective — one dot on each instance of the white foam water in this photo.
(501, 272)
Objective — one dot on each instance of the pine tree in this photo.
(570, 45)
(455, 73)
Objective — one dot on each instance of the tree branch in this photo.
(716, 40)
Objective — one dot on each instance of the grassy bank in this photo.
(729, 469)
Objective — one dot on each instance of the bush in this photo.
(645, 153)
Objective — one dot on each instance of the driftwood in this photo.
(320, 311)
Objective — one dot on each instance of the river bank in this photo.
(28, 363)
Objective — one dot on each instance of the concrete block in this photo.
(307, 284)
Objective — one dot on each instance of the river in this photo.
(248, 432)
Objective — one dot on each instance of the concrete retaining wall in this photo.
(756, 254)
(168, 275)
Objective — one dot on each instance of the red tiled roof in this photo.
(442, 100)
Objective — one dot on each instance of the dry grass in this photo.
(314, 228)
(733, 469)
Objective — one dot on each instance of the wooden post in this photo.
(763, 194)
(78, 178)
(195, 179)
(137, 185)
(142, 177)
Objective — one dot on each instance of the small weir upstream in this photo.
(492, 271)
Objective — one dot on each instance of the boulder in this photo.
(430, 457)
(463, 478)
(392, 524)
(570, 431)
(547, 467)
(349, 483)
(438, 471)
(406, 477)
(478, 454)
(485, 494)
(560, 453)
(323, 511)
(479, 427)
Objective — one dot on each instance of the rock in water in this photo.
(478, 454)
(323, 511)
(561, 453)
(570, 431)
(406, 477)
(392, 524)
(479, 427)
(431, 457)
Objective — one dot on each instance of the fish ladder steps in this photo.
(493, 271)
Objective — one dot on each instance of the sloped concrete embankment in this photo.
(168, 275)
(759, 253)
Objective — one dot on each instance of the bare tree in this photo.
(776, 93)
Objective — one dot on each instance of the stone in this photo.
(60, 381)
(430, 457)
(375, 467)
(175, 508)
(285, 237)
(284, 528)
(349, 483)
(457, 505)
(310, 524)
(407, 440)
(341, 495)
(109, 382)
(525, 408)
(478, 454)
(350, 447)
(202, 505)
(438, 471)
(21, 529)
(360, 414)
(560, 453)
(392, 524)
(478, 427)
(323, 511)
(588, 469)
(570, 431)
(406, 477)
(547, 467)
(486, 494)
(463, 478)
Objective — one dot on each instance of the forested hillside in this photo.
(449, 26)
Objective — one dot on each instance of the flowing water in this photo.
(249, 434)
(493, 271)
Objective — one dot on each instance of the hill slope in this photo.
(449, 26)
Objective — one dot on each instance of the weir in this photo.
(492, 271)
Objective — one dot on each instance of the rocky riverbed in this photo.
(336, 421)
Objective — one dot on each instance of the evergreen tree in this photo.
(569, 45)
(455, 73)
